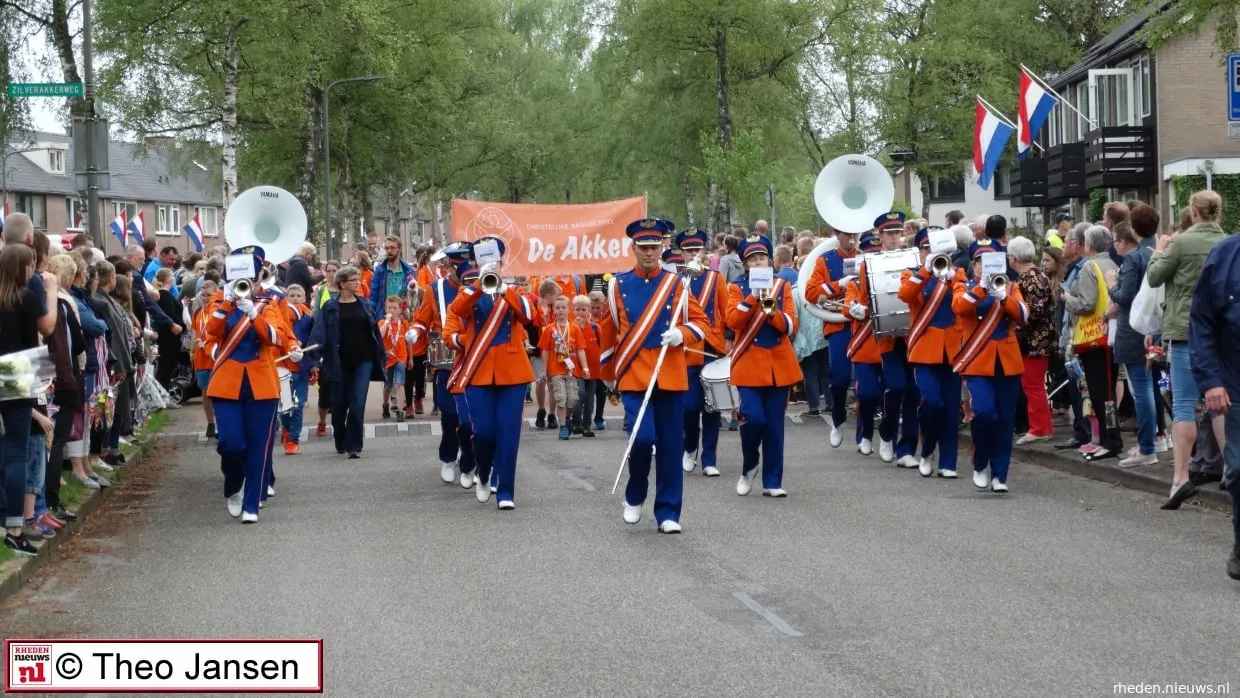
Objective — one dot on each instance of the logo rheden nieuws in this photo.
(31, 665)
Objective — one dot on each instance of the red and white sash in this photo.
(756, 321)
(465, 368)
(928, 311)
(859, 338)
(632, 343)
(235, 337)
(977, 340)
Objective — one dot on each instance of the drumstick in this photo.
(312, 347)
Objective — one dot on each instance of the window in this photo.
(56, 161)
(1003, 181)
(35, 206)
(207, 219)
(1143, 85)
(1054, 126)
(75, 214)
(169, 219)
(128, 207)
(947, 190)
(1082, 103)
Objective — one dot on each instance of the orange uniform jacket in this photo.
(394, 344)
(711, 291)
(769, 360)
(934, 333)
(634, 356)
(251, 358)
(824, 282)
(864, 348)
(989, 336)
(204, 346)
(504, 361)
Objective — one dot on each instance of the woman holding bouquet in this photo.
(19, 330)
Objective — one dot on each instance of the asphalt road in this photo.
(865, 581)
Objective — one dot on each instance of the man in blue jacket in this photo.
(1214, 343)
(392, 276)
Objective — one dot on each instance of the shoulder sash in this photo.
(234, 338)
(928, 311)
(977, 339)
(464, 371)
(632, 342)
(756, 321)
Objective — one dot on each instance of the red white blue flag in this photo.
(990, 137)
(1033, 106)
(193, 230)
(137, 228)
(119, 228)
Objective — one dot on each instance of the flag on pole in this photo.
(137, 228)
(193, 230)
(1034, 105)
(119, 229)
(990, 137)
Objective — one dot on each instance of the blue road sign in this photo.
(1233, 87)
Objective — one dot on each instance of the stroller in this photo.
(184, 386)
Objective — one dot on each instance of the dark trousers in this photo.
(415, 381)
(349, 407)
(1080, 426)
(1100, 381)
(61, 428)
(815, 368)
(600, 399)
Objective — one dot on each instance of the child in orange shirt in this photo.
(587, 386)
(393, 328)
(563, 347)
(301, 320)
(548, 291)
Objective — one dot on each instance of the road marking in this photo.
(577, 481)
(436, 429)
(771, 617)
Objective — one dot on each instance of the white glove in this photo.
(847, 280)
(228, 290)
(503, 288)
(929, 265)
(296, 355)
(673, 338)
(999, 294)
(857, 311)
(411, 336)
(246, 306)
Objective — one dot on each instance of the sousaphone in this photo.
(270, 218)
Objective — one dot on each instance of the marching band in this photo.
(907, 331)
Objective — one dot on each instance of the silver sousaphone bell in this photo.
(272, 219)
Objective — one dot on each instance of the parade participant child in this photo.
(300, 320)
(548, 291)
(563, 346)
(587, 380)
(417, 353)
(393, 328)
(764, 368)
(204, 349)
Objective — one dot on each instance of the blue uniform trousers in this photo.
(246, 434)
(869, 396)
(994, 419)
(841, 373)
(292, 421)
(762, 427)
(496, 414)
(939, 414)
(454, 418)
(701, 427)
(900, 401)
(662, 424)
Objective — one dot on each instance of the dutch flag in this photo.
(193, 230)
(118, 229)
(1034, 104)
(137, 228)
(990, 137)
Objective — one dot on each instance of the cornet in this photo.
(489, 278)
(243, 288)
(767, 299)
(996, 282)
(941, 265)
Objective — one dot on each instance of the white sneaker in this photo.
(886, 451)
(996, 486)
(482, 492)
(947, 474)
(837, 437)
(1162, 445)
(234, 505)
(710, 471)
(632, 514)
(102, 467)
(777, 492)
(689, 462)
(271, 490)
(865, 448)
(447, 473)
(1031, 439)
(247, 517)
(669, 527)
(467, 480)
(981, 478)
(909, 462)
(745, 485)
(928, 465)
(507, 505)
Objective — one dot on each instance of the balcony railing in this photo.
(1065, 172)
(1121, 157)
(1029, 183)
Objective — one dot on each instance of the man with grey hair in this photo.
(1073, 257)
(149, 305)
(964, 238)
(18, 229)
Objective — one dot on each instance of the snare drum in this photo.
(288, 402)
(883, 271)
(721, 396)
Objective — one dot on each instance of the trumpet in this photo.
(267, 277)
(767, 299)
(243, 288)
(941, 265)
(488, 278)
(996, 282)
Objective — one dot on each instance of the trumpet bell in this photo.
(243, 288)
(853, 190)
(268, 217)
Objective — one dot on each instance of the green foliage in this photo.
(1097, 204)
(1227, 186)
(1185, 16)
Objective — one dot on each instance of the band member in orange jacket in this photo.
(643, 303)
(991, 364)
(828, 281)
(204, 352)
(245, 389)
(432, 317)
(865, 352)
(933, 341)
(711, 291)
(764, 368)
(300, 320)
(495, 371)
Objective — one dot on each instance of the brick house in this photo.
(38, 180)
(1146, 115)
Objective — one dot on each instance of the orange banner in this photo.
(547, 239)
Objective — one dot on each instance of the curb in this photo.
(16, 572)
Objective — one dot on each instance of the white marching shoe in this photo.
(1000, 487)
(745, 485)
(886, 451)
(669, 527)
(271, 490)
(447, 473)
(909, 461)
(689, 462)
(710, 471)
(928, 466)
(482, 491)
(632, 514)
(981, 479)
(777, 492)
(864, 447)
(507, 505)
(234, 505)
(247, 517)
(947, 474)
(837, 436)
(467, 480)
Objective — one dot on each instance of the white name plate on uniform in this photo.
(994, 264)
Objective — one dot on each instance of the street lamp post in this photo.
(327, 155)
